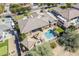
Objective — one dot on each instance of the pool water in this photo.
(50, 34)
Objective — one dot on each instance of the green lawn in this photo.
(59, 30)
(3, 48)
(4, 43)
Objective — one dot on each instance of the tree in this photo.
(1, 8)
(70, 40)
(63, 7)
(51, 4)
(19, 9)
(68, 5)
(41, 50)
(14, 8)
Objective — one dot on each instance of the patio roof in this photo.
(29, 43)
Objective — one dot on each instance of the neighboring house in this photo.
(68, 13)
(3, 32)
(5, 26)
(75, 22)
(37, 20)
(76, 5)
(26, 4)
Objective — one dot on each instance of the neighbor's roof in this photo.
(6, 24)
(3, 27)
(34, 23)
(68, 13)
(76, 5)
(73, 13)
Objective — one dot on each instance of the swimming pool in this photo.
(50, 34)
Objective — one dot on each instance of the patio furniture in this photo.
(34, 37)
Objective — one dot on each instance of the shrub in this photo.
(17, 27)
(1, 8)
(68, 5)
(22, 36)
(53, 45)
(63, 7)
(72, 28)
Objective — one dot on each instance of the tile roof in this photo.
(34, 23)
(68, 13)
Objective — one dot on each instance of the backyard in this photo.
(4, 48)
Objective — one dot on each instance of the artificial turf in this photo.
(59, 30)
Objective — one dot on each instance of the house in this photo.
(5, 26)
(26, 4)
(68, 13)
(35, 21)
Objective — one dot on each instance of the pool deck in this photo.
(41, 34)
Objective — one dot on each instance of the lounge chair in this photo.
(34, 37)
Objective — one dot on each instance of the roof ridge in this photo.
(24, 25)
(35, 20)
